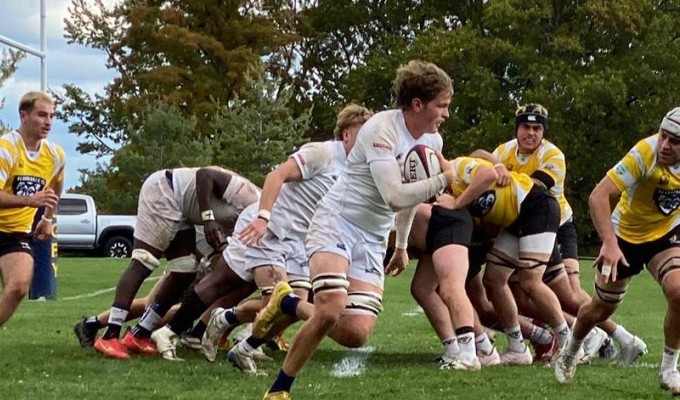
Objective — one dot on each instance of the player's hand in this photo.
(398, 262)
(44, 198)
(608, 260)
(251, 234)
(43, 230)
(212, 233)
(504, 178)
(443, 162)
(446, 201)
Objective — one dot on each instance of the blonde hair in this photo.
(28, 100)
(422, 80)
(351, 115)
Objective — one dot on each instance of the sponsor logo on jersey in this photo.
(384, 146)
(27, 185)
(667, 201)
(483, 204)
(621, 169)
(342, 246)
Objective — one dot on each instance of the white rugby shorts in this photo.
(329, 232)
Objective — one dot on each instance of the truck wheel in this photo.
(117, 247)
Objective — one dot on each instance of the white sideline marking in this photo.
(353, 363)
(102, 291)
(414, 313)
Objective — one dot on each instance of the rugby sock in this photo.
(622, 336)
(515, 340)
(539, 335)
(562, 333)
(282, 383)
(93, 323)
(466, 342)
(289, 305)
(117, 318)
(451, 348)
(251, 344)
(573, 345)
(192, 307)
(483, 344)
(148, 322)
(228, 318)
(669, 361)
(199, 329)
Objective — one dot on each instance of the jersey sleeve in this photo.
(633, 166)
(378, 141)
(311, 158)
(7, 161)
(465, 168)
(60, 165)
(552, 163)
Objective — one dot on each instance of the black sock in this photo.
(112, 331)
(93, 324)
(289, 305)
(140, 332)
(199, 329)
(282, 383)
(192, 307)
(255, 342)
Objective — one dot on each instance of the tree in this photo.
(8, 65)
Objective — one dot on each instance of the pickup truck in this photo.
(79, 227)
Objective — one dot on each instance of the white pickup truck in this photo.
(79, 227)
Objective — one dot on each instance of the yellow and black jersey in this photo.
(548, 158)
(648, 208)
(498, 205)
(25, 174)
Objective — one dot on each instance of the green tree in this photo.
(9, 60)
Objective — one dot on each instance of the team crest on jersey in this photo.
(664, 180)
(27, 185)
(483, 204)
(667, 201)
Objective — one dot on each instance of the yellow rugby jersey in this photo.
(24, 175)
(547, 158)
(498, 205)
(648, 207)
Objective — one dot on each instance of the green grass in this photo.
(41, 359)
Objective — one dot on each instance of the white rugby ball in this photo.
(420, 163)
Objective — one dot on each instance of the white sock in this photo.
(562, 333)
(483, 344)
(515, 339)
(117, 316)
(622, 336)
(150, 319)
(573, 345)
(466, 343)
(451, 348)
(539, 335)
(669, 361)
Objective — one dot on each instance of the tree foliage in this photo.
(9, 60)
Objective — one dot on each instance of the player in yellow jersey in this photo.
(529, 216)
(31, 176)
(532, 154)
(642, 231)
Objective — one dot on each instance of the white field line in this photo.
(102, 291)
(414, 313)
(353, 363)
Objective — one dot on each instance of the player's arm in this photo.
(600, 203)
(398, 195)
(551, 171)
(209, 182)
(481, 179)
(289, 171)
(504, 178)
(403, 223)
(57, 187)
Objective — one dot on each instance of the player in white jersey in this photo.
(271, 234)
(641, 232)
(348, 234)
(171, 202)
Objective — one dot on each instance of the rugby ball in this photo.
(420, 163)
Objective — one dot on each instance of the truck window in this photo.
(71, 207)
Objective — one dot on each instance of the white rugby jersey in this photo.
(320, 164)
(383, 137)
(184, 187)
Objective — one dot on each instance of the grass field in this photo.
(41, 359)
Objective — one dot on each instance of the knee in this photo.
(353, 337)
(355, 340)
(420, 294)
(673, 299)
(16, 291)
(328, 313)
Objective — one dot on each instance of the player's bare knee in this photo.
(355, 338)
(607, 298)
(16, 291)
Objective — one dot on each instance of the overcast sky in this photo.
(74, 64)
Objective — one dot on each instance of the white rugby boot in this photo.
(630, 352)
(591, 345)
(462, 365)
(210, 341)
(165, 340)
(489, 360)
(670, 380)
(517, 358)
(565, 366)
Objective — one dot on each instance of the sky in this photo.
(72, 64)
